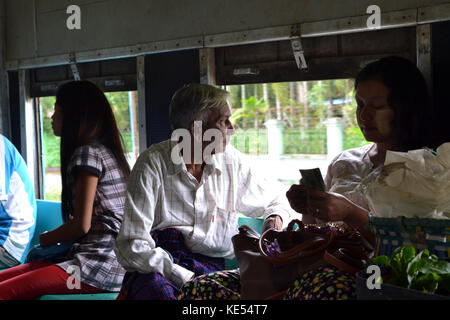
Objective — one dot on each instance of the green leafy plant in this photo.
(420, 271)
(253, 110)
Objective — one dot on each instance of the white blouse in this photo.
(346, 172)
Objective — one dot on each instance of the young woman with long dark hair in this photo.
(94, 171)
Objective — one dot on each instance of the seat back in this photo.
(254, 223)
(48, 217)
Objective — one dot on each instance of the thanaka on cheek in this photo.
(383, 120)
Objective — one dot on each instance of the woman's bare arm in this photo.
(86, 186)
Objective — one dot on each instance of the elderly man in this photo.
(184, 196)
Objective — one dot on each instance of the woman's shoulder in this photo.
(351, 162)
(92, 154)
(353, 154)
(94, 149)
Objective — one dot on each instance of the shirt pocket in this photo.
(224, 226)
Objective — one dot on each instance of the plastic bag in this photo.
(411, 184)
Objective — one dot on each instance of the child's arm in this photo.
(86, 186)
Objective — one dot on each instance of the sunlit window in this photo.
(294, 125)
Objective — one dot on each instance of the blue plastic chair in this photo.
(49, 217)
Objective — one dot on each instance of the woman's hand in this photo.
(326, 206)
(329, 206)
(297, 196)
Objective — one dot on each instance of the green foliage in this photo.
(50, 141)
(235, 98)
(304, 115)
(317, 94)
(51, 150)
(281, 91)
(296, 141)
(250, 141)
(120, 105)
(305, 141)
(253, 109)
(353, 138)
(420, 271)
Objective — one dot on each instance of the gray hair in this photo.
(192, 102)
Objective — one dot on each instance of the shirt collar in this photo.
(215, 164)
(175, 160)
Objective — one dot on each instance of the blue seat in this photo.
(49, 217)
(254, 223)
(85, 296)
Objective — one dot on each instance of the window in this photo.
(124, 105)
(301, 118)
(294, 125)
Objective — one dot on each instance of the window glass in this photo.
(294, 125)
(124, 105)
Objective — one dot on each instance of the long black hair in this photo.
(408, 97)
(87, 118)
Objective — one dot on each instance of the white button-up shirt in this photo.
(162, 194)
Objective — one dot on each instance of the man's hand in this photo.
(273, 222)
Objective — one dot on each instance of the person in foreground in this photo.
(182, 207)
(93, 174)
(392, 102)
(18, 210)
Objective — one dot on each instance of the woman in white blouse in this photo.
(392, 112)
